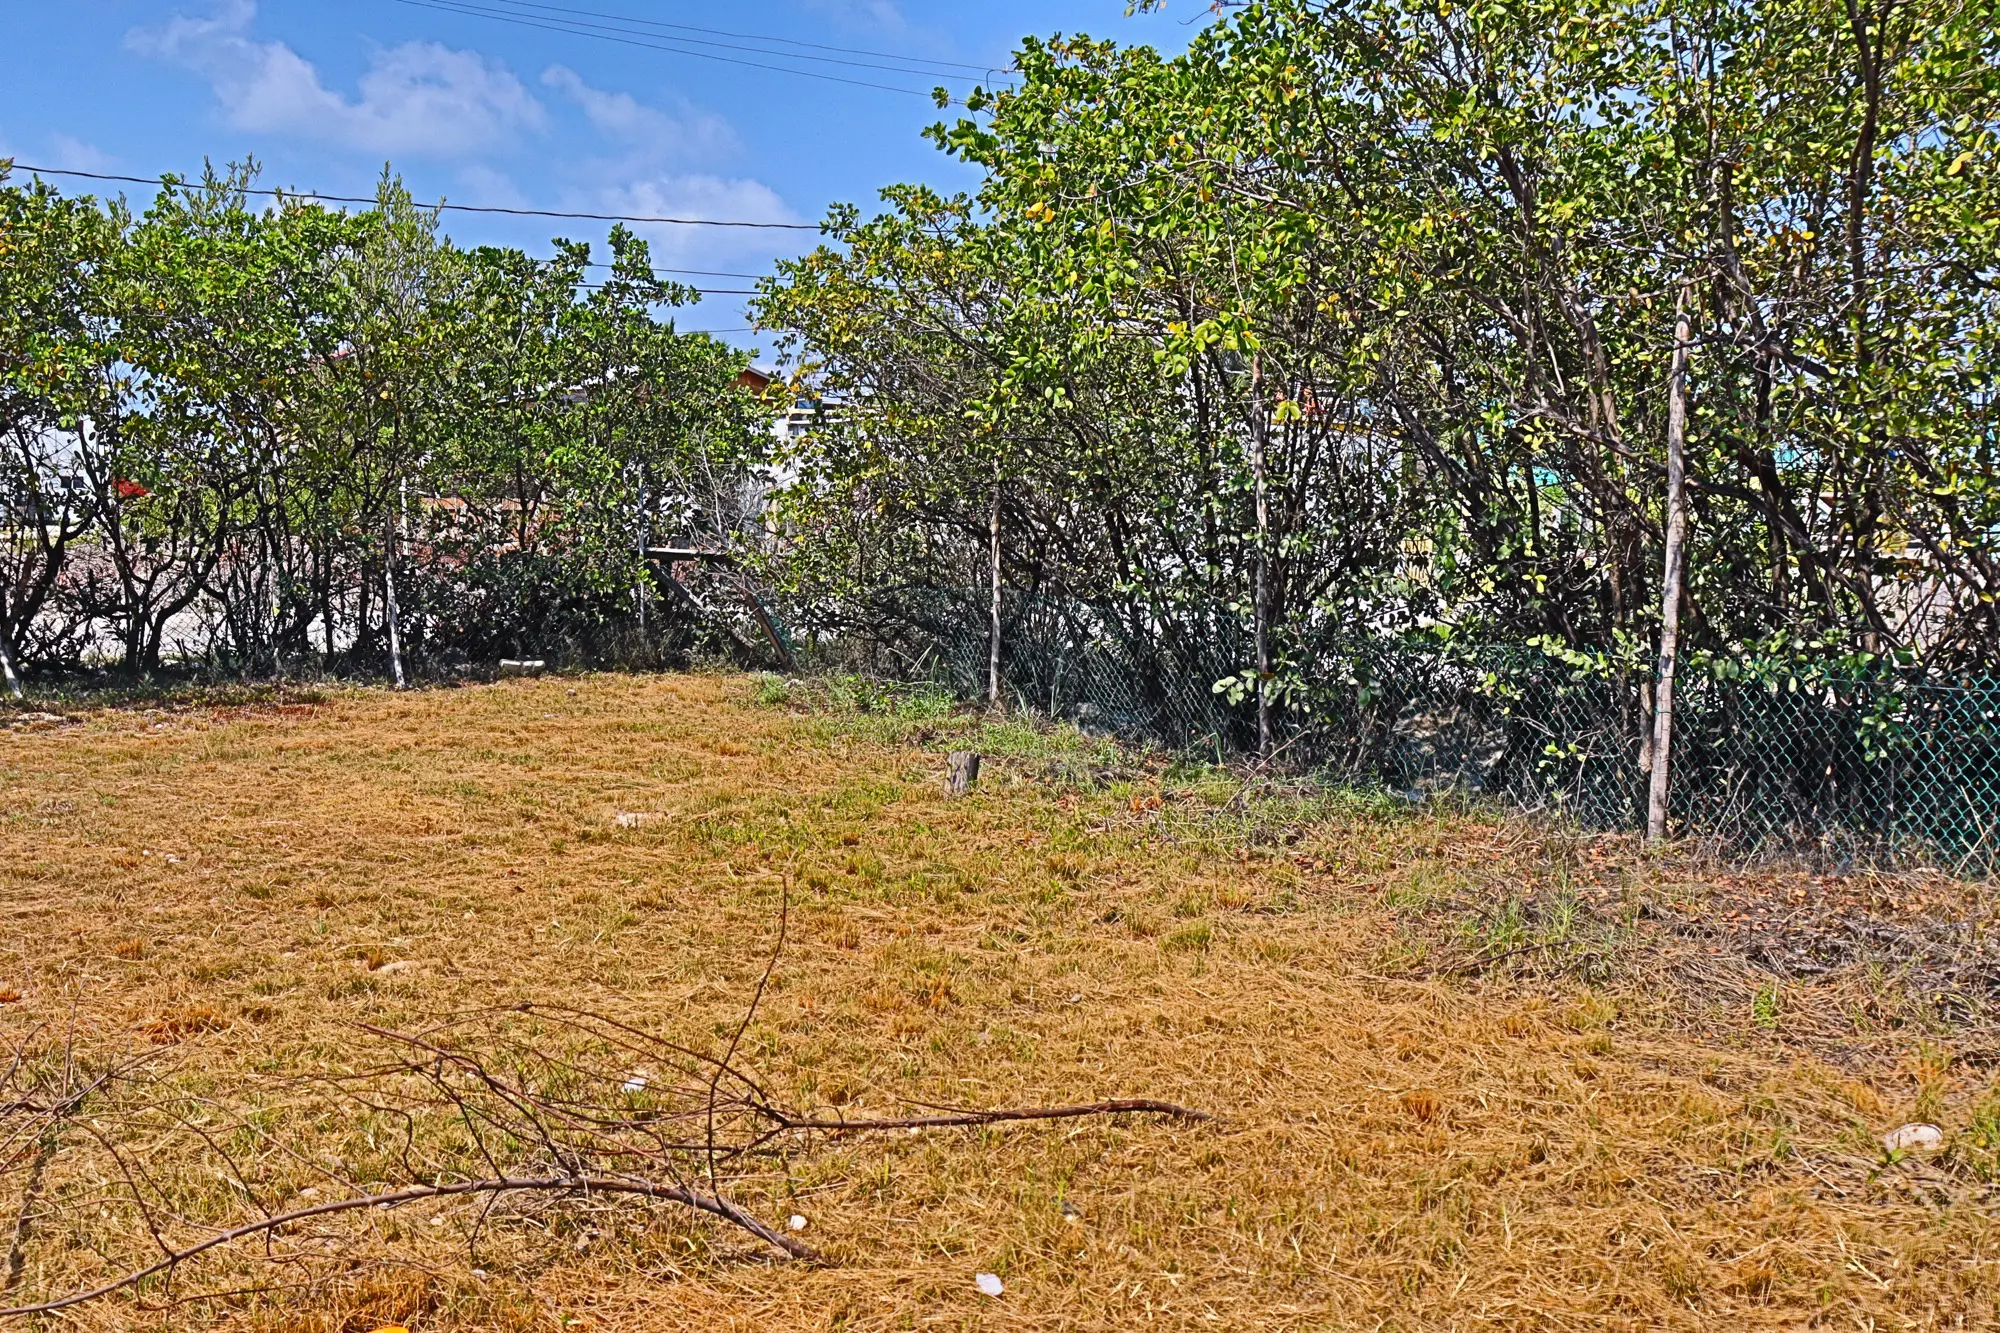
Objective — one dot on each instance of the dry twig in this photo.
(548, 1101)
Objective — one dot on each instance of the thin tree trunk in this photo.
(645, 527)
(1259, 434)
(7, 664)
(363, 646)
(1670, 591)
(993, 610)
(326, 614)
(1644, 724)
(390, 614)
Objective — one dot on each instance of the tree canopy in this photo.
(1361, 312)
(265, 438)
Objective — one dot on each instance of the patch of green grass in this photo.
(860, 707)
(1979, 1145)
(1765, 1006)
(1503, 930)
(1558, 923)
(911, 702)
(1426, 887)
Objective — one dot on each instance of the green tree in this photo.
(53, 256)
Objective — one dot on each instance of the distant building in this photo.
(797, 417)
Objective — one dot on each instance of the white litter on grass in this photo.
(796, 1222)
(1914, 1138)
(636, 1083)
(990, 1283)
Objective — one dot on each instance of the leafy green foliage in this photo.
(247, 435)
(1408, 270)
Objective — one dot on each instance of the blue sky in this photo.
(481, 111)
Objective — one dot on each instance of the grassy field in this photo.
(1451, 1091)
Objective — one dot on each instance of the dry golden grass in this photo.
(236, 887)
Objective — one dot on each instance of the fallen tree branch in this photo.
(520, 1100)
(715, 1205)
(1121, 1106)
(24, 1219)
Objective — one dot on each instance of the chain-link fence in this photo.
(1889, 768)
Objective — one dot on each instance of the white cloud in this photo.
(420, 97)
(489, 187)
(60, 150)
(645, 174)
(76, 155)
(651, 134)
(697, 196)
(700, 196)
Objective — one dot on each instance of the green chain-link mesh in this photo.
(1889, 768)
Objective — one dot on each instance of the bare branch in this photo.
(1119, 1106)
(711, 1204)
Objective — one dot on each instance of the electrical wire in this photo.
(448, 208)
(705, 291)
(746, 36)
(488, 9)
(576, 31)
(690, 272)
(657, 271)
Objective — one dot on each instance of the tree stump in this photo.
(964, 772)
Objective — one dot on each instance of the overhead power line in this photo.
(630, 26)
(579, 30)
(705, 291)
(448, 208)
(689, 272)
(746, 36)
